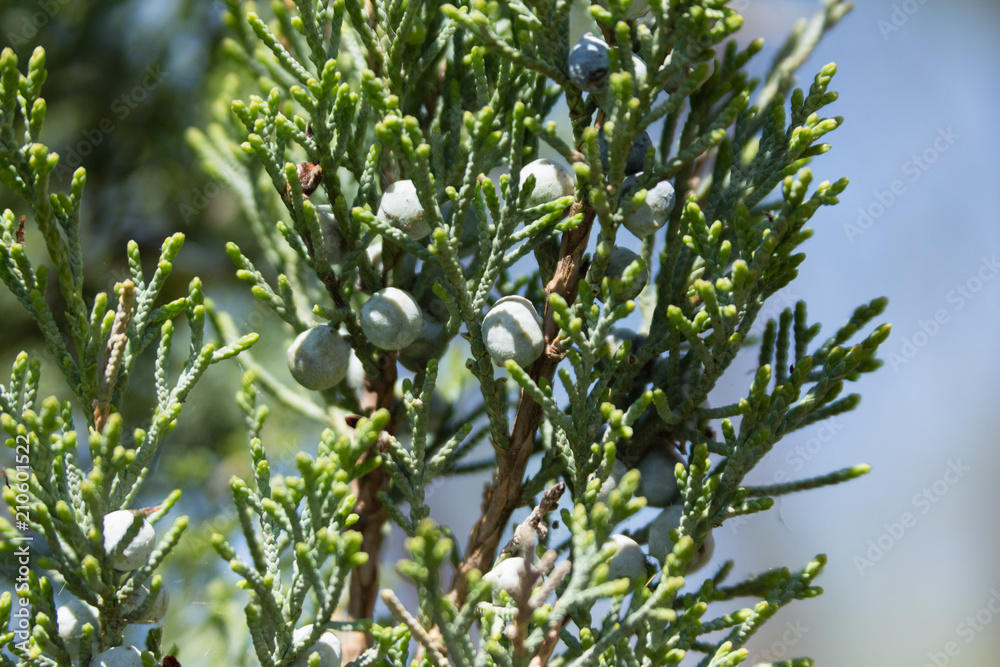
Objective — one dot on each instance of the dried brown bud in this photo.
(309, 177)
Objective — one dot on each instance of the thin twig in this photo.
(503, 496)
(534, 528)
(556, 577)
(527, 603)
(115, 355)
(544, 652)
(416, 630)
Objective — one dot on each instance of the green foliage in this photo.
(68, 478)
(328, 104)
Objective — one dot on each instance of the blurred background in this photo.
(913, 577)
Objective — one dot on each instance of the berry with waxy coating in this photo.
(333, 236)
(636, 155)
(155, 612)
(657, 482)
(588, 63)
(641, 71)
(391, 319)
(628, 561)
(621, 259)
(660, 544)
(70, 619)
(654, 212)
(355, 376)
(135, 555)
(414, 357)
(318, 358)
(552, 181)
(506, 576)
(119, 656)
(619, 336)
(611, 483)
(374, 252)
(137, 634)
(468, 242)
(513, 330)
(401, 208)
(328, 646)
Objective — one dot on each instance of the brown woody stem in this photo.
(378, 394)
(115, 355)
(365, 577)
(503, 496)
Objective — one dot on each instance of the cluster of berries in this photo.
(74, 616)
(392, 319)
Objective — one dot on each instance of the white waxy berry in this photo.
(391, 319)
(119, 656)
(619, 336)
(318, 358)
(512, 329)
(414, 357)
(137, 634)
(506, 576)
(468, 242)
(155, 612)
(657, 481)
(552, 181)
(660, 544)
(641, 71)
(636, 155)
(328, 646)
(70, 619)
(401, 208)
(704, 554)
(333, 236)
(654, 212)
(621, 259)
(611, 483)
(355, 376)
(374, 252)
(678, 79)
(135, 555)
(628, 561)
(588, 63)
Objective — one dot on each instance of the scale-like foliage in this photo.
(329, 105)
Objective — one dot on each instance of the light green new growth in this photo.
(56, 494)
(329, 103)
